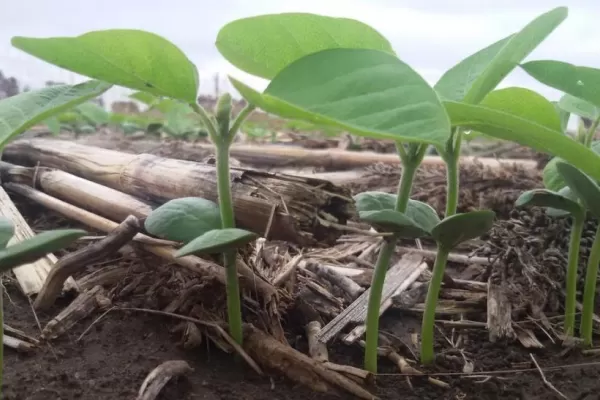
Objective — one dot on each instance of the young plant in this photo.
(558, 204)
(148, 63)
(588, 192)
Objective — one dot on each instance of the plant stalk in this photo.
(590, 291)
(571, 297)
(428, 323)
(387, 250)
(589, 137)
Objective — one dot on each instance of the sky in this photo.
(429, 35)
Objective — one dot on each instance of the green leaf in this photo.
(565, 192)
(374, 201)
(474, 77)
(7, 231)
(459, 228)
(579, 107)
(181, 120)
(217, 241)
(36, 247)
(183, 219)
(394, 221)
(549, 199)
(582, 185)
(552, 179)
(263, 45)
(93, 113)
(526, 104)
(528, 133)
(564, 116)
(53, 125)
(130, 58)
(144, 97)
(581, 82)
(367, 92)
(21, 112)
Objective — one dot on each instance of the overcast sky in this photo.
(430, 35)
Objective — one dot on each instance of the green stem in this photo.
(381, 267)
(234, 309)
(452, 158)
(590, 291)
(428, 323)
(208, 122)
(241, 117)
(571, 297)
(589, 137)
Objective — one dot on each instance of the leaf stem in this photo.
(590, 291)
(387, 250)
(452, 158)
(589, 137)
(427, 353)
(571, 296)
(208, 122)
(240, 118)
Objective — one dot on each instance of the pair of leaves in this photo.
(22, 111)
(197, 223)
(33, 248)
(130, 58)
(421, 220)
(585, 188)
(557, 204)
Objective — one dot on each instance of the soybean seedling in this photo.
(559, 204)
(148, 63)
(588, 192)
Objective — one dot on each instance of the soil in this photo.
(117, 350)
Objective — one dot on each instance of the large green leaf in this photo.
(582, 185)
(183, 219)
(579, 107)
(367, 92)
(564, 116)
(131, 58)
(7, 231)
(552, 179)
(36, 247)
(474, 77)
(217, 241)
(263, 45)
(581, 82)
(549, 199)
(526, 104)
(21, 112)
(506, 126)
(459, 228)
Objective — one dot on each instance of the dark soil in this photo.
(112, 359)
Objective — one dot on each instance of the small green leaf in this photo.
(180, 119)
(394, 221)
(53, 125)
(36, 247)
(579, 107)
(580, 82)
(375, 201)
(474, 77)
(183, 219)
(526, 104)
(528, 133)
(367, 92)
(263, 45)
(130, 58)
(144, 97)
(21, 112)
(93, 113)
(549, 199)
(552, 179)
(565, 192)
(7, 231)
(582, 185)
(217, 241)
(459, 228)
